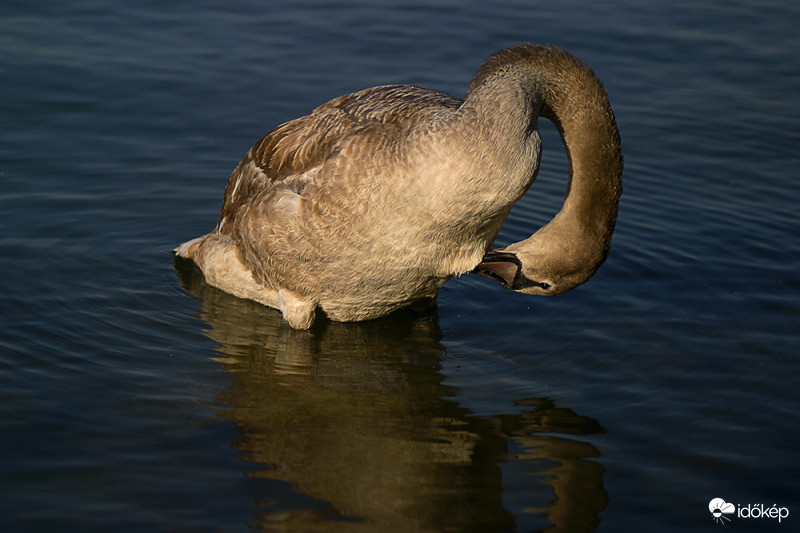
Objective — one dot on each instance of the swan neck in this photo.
(551, 83)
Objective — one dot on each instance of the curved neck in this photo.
(590, 136)
(526, 81)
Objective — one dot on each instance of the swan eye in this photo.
(544, 286)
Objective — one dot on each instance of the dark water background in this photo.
(133, 397)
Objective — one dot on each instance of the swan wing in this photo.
(293, 152)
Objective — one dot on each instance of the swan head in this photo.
(545, 264)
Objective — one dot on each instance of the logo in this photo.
(719, 508)
(722, 512)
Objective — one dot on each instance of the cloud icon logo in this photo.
(719, 508)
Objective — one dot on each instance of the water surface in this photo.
(135, 397)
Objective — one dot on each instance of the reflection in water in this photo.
(357, 417)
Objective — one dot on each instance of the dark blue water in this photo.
(133, 397)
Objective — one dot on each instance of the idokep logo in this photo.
(719, 508)
(722, 511)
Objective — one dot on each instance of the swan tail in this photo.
(188, 249)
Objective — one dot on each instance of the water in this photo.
(133, 397)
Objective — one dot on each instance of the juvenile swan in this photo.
(377, 198)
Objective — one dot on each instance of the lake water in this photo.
(133, 397)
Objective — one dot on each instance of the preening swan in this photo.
(377, 198)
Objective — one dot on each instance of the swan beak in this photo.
(503, 267)
(507, 269)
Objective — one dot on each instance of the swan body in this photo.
(376, 198)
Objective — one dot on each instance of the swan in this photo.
(376, 198)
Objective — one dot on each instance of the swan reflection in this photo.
(357, 420)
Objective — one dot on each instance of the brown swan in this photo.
(377, 198)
